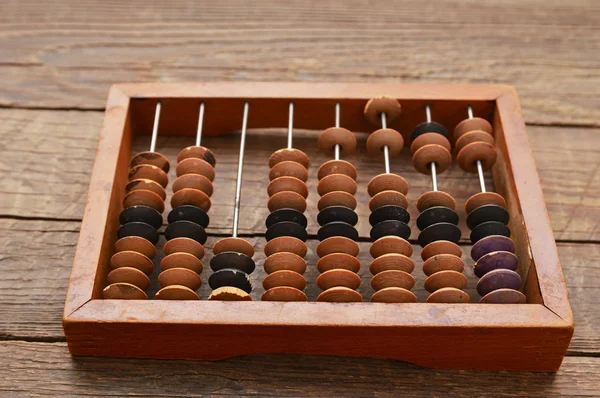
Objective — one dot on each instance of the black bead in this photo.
(186, 229)
(143, 214)
(292, 215)
(230, 277)
(489, 228)
(487, 213)
(189, 213)
(137, 228)
(389, 212)
(390, 227)
(439, 231)
(233, 260)
(435, 215)
(429, 127)
(337, 228)
(286, 228)
(337, 213)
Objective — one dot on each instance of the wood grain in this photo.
(72, 52)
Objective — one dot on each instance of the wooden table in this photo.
(59, 60)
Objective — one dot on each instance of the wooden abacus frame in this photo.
(532, 336)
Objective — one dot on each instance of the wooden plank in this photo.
(48, 369)
(72, 52)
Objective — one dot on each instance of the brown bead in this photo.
(289, 169)
(337, 167)
(392, 262)
(232, 244)
(443, 262)
(287, 183)
(393, 295)
(382, 137)
(195, 166)
(336, 182)
(473, 136)
(338, 277)
(338, 260)
(484, 198)
(340, 294)
(378, 105)
(176, 292)
(449, 295)
(287, 200)
(284, 293)
(123, 291)
(229, 293)
(181, 260)
(473, 124)
(180, 276)
(445, 279)
(151, 158)
(337, 198)
(387, 182)
(286, 244)
(146, 185)
(190, 196)
(132, 259)
(467, 158)
(285, 155)
(129, 275)
(392, 278)
(136, 244)
(337, 244)
(333, 136)
(184, 245)
(193, 181)
(388, 198)
(391, 244)
(504, 296)
(146, 171)
(435, 198)
(427, 154)
(144, 198)
(199, 152)
(441, 247)
(429, 139)
(284, 261)
(284, 278)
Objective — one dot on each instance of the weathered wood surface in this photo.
(66, 55)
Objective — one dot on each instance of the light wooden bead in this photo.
(337, 244)
(378, 105)
(484, 198)
(284, 261)
(393, 295)
(195, 166)
(338, 277)
(123, 291)
(333, 136)
(388, 198)
(443, 262)
(194, 181)
(475, 123)
(285, 294)
(128, 275)
(181, 260)
(392, 278)
(428, 154)
(146, 185)
(151, 158)
(338, 260)
(287, 200)
(146, 171)
(337, 167)
(435, 198)
(390, 244)
(231, 244)
(287, 183)
(387, 182)
(290, 169)
(445, 279)
(284, 278)
(176, 292)
(449, 295)
(142, 197)
(286, 244)
(385, 137)
(392, 262)
(337, 198)
(441, 247)
(336, 182)
(132, 259)
(473, 136)
(199, 152)
(340, 294)
(180, 276)
(136, 244)
(190, 196)
(429, 139)
(285, 155)
(467, 158)
(184, 245)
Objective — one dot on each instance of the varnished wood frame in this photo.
(532, 336)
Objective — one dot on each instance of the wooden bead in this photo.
(467, 158)
(429, 139)
(146, 171)
(284, 278)
(492, 243)
(390, 244)
(286, 244)
(132, 259)
(144, 198)
(123, 291)
(290, 169)
(473, 136)
(180, 276)
(232, 244)
(146, 185)
(393, 295)
(498, 279)
(337, 244)
(427, 154)
(378, 105)
(287, 200)
(284, 261)
(504, 296)
(482, 199)
(449, 295)
(443, 262)
(198, 152)
(392, 262)
(195, 166)
(190, 196)
(337, 198)
(340, 294)
(338, 277)
(181, 260)
(475, 123)
(284, 293)
(445, 279)
(336, 182)
(229, 293)
(184, 245)
(287, 183)
(291, 155)
(333, 136)
(435, 198)
(136, 244)
(392, 278)
(338, 260)
(387, 182)
(441, 247)
(128, 275)
(151, 158)
(193, 181)
(176, 292)
(337, 167)
(495, 260)
(382, 137)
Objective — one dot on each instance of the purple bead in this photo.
(498, 279)
(492, 243)
(496, 260)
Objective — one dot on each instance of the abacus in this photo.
(360, 250)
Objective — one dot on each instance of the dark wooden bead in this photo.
(429, 127)
(385, 213)
(439, 231)
(186, 229)
(337, 213)
(137, 228)
(286, 228)
(490, 244)
(143, 214)
(436, 214)
(489, 228)
(230, 277)
(390, 228)
(189, 213)
(337, 228)
(285, 214)
(233, 260)
(487, 213)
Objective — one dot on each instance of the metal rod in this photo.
(155, 126)
(428, 113)
(290, 125)
(200, 124)
(238, 183)
(434, 176)
(336, 152)
(337, 114)
(470, 111)
(481, 179)
(386, 149)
